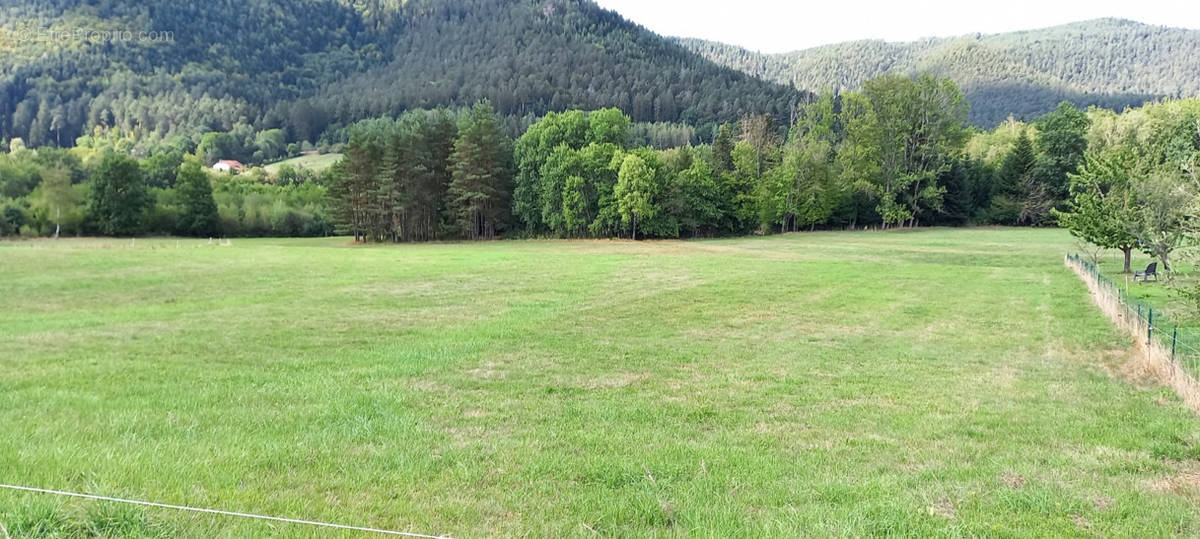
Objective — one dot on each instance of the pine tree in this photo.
(723, 149)
(353, 188)
(1013, 182)
(481, 174)
(391, 188)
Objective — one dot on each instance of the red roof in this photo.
(231, 163)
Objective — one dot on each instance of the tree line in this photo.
(424, 176)
(56, 192)
(898, 153)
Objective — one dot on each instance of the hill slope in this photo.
(309, 65)
(1107, 62)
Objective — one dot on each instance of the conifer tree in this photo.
(723, 149)
(1011, 189)
(481, 174)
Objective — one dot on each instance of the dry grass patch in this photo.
(1183, 481)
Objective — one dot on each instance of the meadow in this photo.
(313, 162)
(933, 382)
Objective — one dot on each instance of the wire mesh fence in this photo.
(1171, 350)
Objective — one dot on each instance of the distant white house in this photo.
(228, 165)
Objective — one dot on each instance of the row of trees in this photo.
(116, 201)
(898, 153)
(1032, 179)
(424, 176)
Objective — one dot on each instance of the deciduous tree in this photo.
(1102, 208)
(198, 215)
(917, 129)
(635, 192)
(119, 198)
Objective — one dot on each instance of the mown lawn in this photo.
(927, 383)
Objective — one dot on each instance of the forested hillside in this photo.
(206, 67)
(532, 57)
(1106, 62)
(311, 66)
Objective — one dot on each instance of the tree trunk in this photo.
(1128, 258)
(1165, 258)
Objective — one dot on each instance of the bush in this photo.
(12, 219)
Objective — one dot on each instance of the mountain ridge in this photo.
(1107, 62)
(311, 67)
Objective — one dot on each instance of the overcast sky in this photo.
(787, 25)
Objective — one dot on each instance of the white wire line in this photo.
(220, 512)
(5, 530)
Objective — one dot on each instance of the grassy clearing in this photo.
(1160, 294)
(931, 383)
(1170, 306)
(315, 163)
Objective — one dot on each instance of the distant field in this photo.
(927, 383)
(315, 163)
(1174, 314)
(1161, 293)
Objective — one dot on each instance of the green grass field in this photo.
(923, 383)
(315, 163)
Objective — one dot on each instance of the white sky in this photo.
(783, 25)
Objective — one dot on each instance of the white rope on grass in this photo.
(219, 512)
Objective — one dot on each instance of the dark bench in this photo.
(1151, 271)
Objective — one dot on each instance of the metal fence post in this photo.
(1188, 365)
